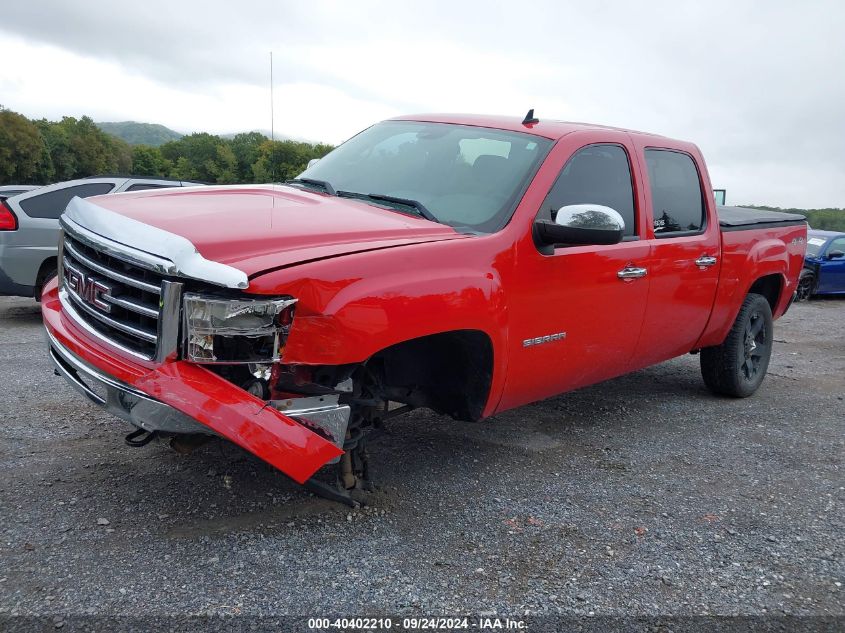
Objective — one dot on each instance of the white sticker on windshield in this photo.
(815, 241)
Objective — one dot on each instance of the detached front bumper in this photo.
(119, 398)
(180, 397)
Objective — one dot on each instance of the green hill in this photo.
(136, 133)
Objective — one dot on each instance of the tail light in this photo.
(8, 221)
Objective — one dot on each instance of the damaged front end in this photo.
(171, 343)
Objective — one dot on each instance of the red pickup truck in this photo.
(467, 264)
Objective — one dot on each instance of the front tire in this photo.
(737, 366)
(805, 285)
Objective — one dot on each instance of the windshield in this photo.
(814, 245)
(467, 177)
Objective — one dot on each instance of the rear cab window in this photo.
(52, 204)
(677, 199)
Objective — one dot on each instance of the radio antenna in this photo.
(272, 127)
(530, 119)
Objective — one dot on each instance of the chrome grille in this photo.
(118, 299)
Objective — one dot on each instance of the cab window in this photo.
(597, 174)
(836, 246)
(676, 197)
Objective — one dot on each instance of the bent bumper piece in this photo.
(120, 399)
(180, 397)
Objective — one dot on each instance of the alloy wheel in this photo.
(755, 347)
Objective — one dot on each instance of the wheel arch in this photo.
(47, 267)
(769, 286)
(450, 372)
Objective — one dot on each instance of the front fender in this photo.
(372, 314)
(352, 307)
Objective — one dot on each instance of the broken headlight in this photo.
(236, 330)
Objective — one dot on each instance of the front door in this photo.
(572, 319)
(832, 268)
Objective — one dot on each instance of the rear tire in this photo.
(737, 366)
(47, 272)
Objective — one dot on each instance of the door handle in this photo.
(631, 272)
(705, 260)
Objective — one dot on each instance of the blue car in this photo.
(824, 265)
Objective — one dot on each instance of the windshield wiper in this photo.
(325, 185)
(418, 206)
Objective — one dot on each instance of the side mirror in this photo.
(312, 162)
(581, 224)
(835, 254)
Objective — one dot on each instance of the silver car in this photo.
(29, 227)
(7, 191)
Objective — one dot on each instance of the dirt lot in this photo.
(640, 496)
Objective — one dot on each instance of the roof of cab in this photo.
(546, 128)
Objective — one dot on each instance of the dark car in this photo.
(824, 265)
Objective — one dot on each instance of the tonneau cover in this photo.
(744, 218)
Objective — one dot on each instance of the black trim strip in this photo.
(668, 234)
(761, 225)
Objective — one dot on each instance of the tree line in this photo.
(40, 152)
(829, 219)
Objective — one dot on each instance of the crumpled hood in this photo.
(256, 228)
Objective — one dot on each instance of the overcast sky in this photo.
(759, 86)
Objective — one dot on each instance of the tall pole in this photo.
(272, 128)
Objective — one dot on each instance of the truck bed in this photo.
(744, 219)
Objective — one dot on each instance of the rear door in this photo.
(832, 267)
(683, 261)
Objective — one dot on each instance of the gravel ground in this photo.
(641, 496)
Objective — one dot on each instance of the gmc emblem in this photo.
(90, 290)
